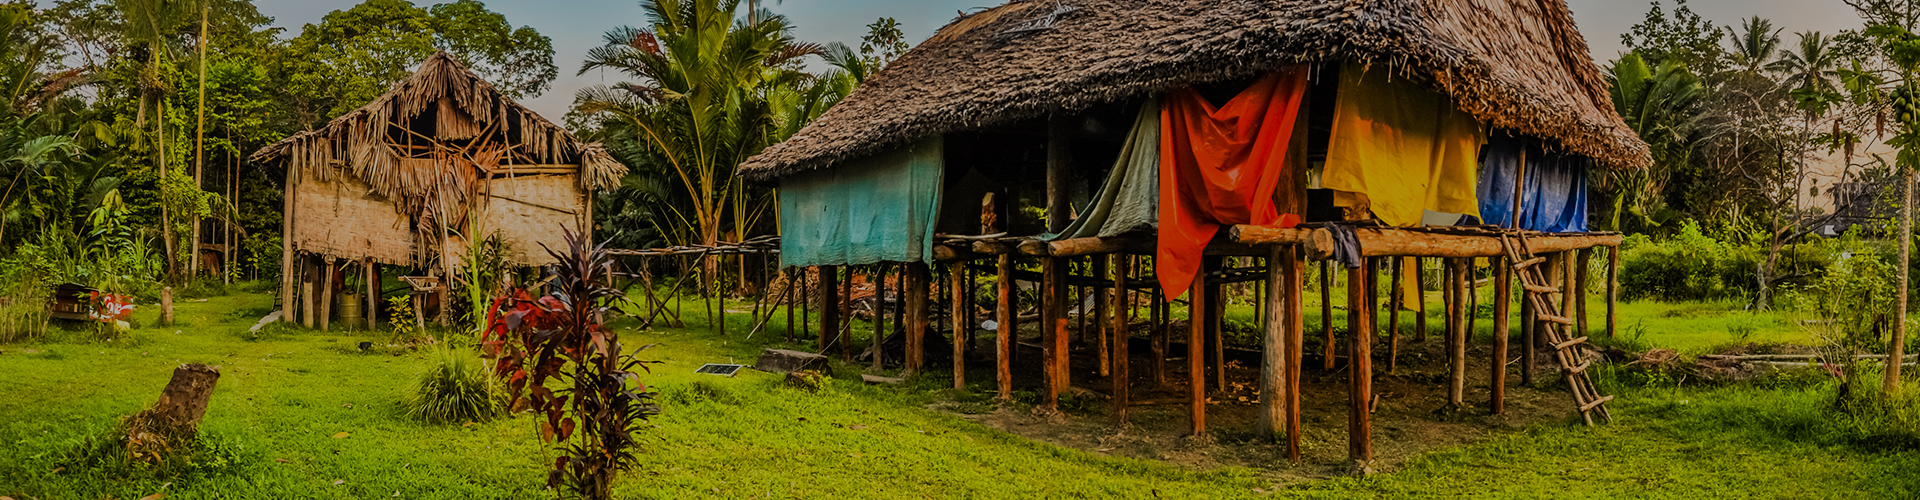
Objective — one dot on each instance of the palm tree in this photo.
(1659, 105)
(1754, 45)
(699, 105)
(1812, 65)
(153, 23)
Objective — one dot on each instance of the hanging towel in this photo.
(1131, 196)
(1553, 196)
(1404, 147)
(876, 209)
(1221, 166)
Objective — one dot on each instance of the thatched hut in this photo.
(1174, 134)
(402, 180)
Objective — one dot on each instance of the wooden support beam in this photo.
(1100, 310)
(829, 307)
(1502, 301)
(1216, 316)
(1359, 375)
(879, 333)
(918, 282)
(1457, 336)
(844, 340)
(1132, 244)
(1054, 332)
(993, 247)
(1389, 242)
(1394, 294)
(1613, 290)
(957, 310)
(288, 257)
(308, 276)
(326, 295)
(947, 253)
(1580, 277)
(1420, 284)
(373, 293)
(1295, 314)
(1004, 315)
(1528, 332)
(1326, 314)
(1158, 316)
(1119, 372)
(1196, 354)
(1274, 353)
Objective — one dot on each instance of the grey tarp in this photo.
(1130, 199)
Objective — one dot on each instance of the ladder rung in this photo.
(1541, 288)
(1580, 369)
(1596, 403)
(1556, 319)
(1564, 345)
(1528, 263)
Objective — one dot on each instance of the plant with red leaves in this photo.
(560, 338)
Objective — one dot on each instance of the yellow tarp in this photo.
(1401, 148)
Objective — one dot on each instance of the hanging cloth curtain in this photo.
(1553, 196)
(1221, 166)
(1400, 149)
(1131, 196)
(876, 209)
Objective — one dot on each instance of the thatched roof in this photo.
(1517, 64)
(493, 131)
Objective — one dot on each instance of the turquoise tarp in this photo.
(876, 209)
(1130, 199)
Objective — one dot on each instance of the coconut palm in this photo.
(1754, 45)
(699, 104)
(1659, 105)
(1812, 65)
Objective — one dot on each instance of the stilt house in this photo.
(404, 180)
(1157, 141)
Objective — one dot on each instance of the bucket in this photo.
(351, 311)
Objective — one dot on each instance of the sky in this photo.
(576, 25)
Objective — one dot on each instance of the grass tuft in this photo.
(455, 388)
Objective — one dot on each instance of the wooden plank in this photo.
(1196, 354)
(1497, 365)
(1005, 317)
(1119, 373)
(956, 274)
(1390, 242)
(1359, 375)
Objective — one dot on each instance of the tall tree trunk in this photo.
(199, 146)
(1899, 348)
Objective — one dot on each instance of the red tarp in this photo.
(1220, 167)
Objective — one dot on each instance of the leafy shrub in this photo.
(456, 388)
(1692, 265)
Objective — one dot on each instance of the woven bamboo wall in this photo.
(342, 218)
(525, 226)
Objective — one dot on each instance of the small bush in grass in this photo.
(455, 388)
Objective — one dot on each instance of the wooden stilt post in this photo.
(373, 293)
(1457, 338)
(1119, 335)
(1005, 317)
(1580, 277)
(1497, 366)
(1360, 374)
(792, 285)
(1053, 329)
(972, 316)
(1216, 320)
(1420, 284)
(1359, 318)
(1394, 294)
(1100, 310)
(844, 340)
(957, 274)
(1158, 346)
(918, 282)
(1054, 287)
(1613, 290)
(1566, 283)
(309, 276)
(829, 307)
(879, 334)
(1296, 317)
(1196, 353)
(1326, 314)
(326, 295)
(1528, 322)
(1274, 353)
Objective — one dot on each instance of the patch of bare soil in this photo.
(1407, 420)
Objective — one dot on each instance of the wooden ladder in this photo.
(1539, 291)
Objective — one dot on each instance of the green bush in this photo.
(1694, 266)
(456, 388)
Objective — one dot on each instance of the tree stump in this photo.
(175, 418)
(166, 307)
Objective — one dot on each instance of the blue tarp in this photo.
(876, 209)
(1555, 196)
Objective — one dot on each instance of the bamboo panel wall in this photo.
(523, 225)
(342, 218)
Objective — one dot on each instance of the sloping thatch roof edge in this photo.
(1516, 64)
(363, 130)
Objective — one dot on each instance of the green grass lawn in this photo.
(284, 401)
